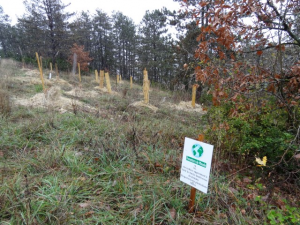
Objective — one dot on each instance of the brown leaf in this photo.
(88, 214)
(157, 165)
(201, 137)
(173, 213)
(259, 52)
(243, 211)
(280, 203)
(222, 215)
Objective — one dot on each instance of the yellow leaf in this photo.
(262, 162)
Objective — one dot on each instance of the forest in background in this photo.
(113, 42)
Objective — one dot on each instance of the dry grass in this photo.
(5, 104)
(114, 165)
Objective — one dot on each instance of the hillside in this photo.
(79, 155)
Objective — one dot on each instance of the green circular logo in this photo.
(197, 150)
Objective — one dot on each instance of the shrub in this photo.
(251, 132)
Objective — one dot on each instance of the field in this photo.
(79, 155)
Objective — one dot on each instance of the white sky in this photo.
(134, 9)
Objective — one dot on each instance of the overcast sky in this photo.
(134, 9)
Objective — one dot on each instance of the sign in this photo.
(196, 163)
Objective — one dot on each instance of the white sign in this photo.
(196, 163)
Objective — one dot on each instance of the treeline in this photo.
(115, 42)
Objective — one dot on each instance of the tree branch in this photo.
(284, 24)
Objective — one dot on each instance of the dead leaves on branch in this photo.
(225, 21)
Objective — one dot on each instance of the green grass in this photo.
(119, 167)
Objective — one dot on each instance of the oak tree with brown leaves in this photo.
(82, 57)
(249, 48)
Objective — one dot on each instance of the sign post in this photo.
(195, 168)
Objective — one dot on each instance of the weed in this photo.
(38, 88)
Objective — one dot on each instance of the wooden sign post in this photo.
(79, 72)
(195, 168)
(101, 79)
(193, 190)
(130, 82)
(40, 69)
(192, 200)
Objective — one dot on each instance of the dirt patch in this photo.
(52, 99)
(187, 106)
(78, 92)
(143, 104)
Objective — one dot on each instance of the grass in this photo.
(119, 167)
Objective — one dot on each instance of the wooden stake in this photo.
(130, 82)
(96, 75)
(101, 79)
(118, 79)
(79, 72)
(51, 67)
(192, 200)
(146, 87)
(193, 190)
(40, 69)
(41, 62)
(145, 72)
(108, 86)
(56, 71)
(194, 95)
